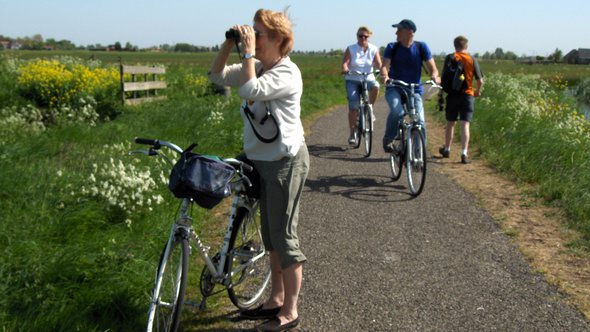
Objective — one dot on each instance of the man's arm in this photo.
(377, 61)
(384, 73)
(478, 87)
(431, 66)
(479, 78)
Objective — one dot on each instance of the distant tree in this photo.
(556, 56)
(499, 53)
(486, 55)
(184, 47)
(129, 47)
(37, 38)
(509, 55)
(118, 46)
(476, 55)
(60, 45)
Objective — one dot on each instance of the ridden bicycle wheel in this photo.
(168, 296)
(367, 129)
(359, 128)
(249, 262)
(416, 161)
(396, 159)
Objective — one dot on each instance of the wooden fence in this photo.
(144, 84)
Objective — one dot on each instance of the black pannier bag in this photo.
(204, 179)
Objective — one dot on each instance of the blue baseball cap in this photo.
(405, 24)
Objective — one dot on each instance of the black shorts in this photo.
(459, 107)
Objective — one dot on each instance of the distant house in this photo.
(579, 56)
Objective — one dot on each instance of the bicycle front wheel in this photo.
(248, 262)
(416, 161)
(360, 122)
(367, 128)
(396, 158)
(168, 295)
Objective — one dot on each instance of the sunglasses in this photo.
(363, 36)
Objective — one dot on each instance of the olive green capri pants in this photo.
(281, 184)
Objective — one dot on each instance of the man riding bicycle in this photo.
(402, 60)
(360, 57)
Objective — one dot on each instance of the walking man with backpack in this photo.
(403, 60)
(459, 70)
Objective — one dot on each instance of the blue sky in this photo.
(522, 26)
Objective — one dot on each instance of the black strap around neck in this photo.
(268, 115)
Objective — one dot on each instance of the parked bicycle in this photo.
(410, 148)
(241, 266)
(365, 117)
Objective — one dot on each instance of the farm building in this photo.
(579, 56)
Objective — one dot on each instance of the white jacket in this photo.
(280, 90)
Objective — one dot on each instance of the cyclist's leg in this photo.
(353, 96)
(373, 93)
(393, 98)
(373, 87)
(420, 110)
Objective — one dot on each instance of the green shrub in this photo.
(527, 127)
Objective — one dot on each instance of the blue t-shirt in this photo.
(407, 65)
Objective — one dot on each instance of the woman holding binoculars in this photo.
(271, 86)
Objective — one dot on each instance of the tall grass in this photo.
(530, 128)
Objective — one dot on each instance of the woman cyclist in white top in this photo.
(360, 57)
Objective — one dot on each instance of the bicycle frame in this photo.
(363, 104)
(364, 100)
(183, 225)
(410, 117)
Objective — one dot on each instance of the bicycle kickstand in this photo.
(203, 304)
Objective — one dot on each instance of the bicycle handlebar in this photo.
(157, 144)
(400, 83)
(355, 72)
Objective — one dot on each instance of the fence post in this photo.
(122, 81)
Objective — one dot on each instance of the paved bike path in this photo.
(380, 260)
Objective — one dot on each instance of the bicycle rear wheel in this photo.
(248, 262)
(416, 161)
(168, 295)
(367, 128)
